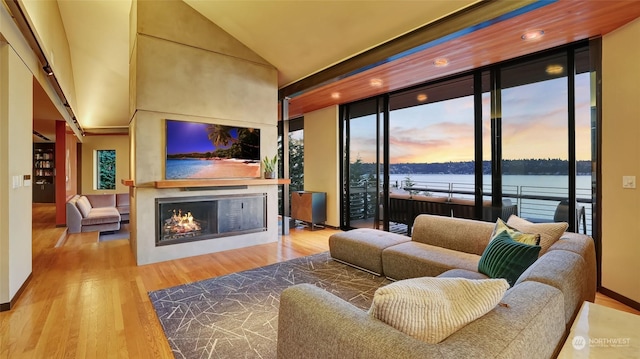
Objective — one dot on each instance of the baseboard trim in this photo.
(7, 306)
(620, 298)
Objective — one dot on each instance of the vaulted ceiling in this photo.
(323, 49)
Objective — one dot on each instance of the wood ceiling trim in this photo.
(564, 22)
(479, 13)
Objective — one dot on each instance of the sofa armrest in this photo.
(313, 323)
(74, 217)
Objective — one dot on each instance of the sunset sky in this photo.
(534, 126)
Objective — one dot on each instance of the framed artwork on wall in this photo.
(196, 150)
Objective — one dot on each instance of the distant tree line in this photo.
(509, 167)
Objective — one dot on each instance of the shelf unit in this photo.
(206, 183)
(44, 173)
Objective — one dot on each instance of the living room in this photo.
(618, 205)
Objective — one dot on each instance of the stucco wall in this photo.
(184, 67)
(322, 158)
(621, 157)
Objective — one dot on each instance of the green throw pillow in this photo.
(506, 258)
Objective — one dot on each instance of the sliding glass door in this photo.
(512, 138)
(431, 147)
(363, 165)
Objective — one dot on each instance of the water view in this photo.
(520, 189)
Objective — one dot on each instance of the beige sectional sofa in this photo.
(532, 322)
(97, 212)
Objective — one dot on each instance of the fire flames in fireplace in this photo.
(181, 225)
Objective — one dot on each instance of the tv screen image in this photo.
(211, 151)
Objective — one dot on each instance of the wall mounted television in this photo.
(197, 150)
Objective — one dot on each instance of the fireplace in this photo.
(185, 219)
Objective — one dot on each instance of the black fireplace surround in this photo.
(186, 219)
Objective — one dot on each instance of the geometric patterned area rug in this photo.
(236, 315)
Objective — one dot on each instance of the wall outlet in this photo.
(628, 181)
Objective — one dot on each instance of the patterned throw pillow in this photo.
(506, 258)
(431, 309)
(549, 232)
(516, 235)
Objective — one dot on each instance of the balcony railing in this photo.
(537, 203)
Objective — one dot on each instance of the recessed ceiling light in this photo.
(335, 95)
(440, 62)
(532, 35)
(555, 69)
(376, 82)
(421, 97)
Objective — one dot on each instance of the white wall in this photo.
(322, 158)
(16, 116)
(621, 157)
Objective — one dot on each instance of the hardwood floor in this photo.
(88, 299)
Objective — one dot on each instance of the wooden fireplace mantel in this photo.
(193, 183)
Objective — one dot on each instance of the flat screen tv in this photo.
(209, 150)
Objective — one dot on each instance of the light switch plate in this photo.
(628, 181)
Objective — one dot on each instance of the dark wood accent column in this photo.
(61, 170)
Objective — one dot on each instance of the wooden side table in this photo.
(309, 207)
(602, 332)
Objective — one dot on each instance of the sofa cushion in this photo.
(101, 216)
(431, 309)
(362, 247)
(516, 235)
(506, 258)
(463, 273)
(549, 232)
(84, 206)
(463, 235)
(122, 199)
(413, 259)
(102, 200)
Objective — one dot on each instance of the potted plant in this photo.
(269, 166)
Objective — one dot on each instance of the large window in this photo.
(431, 144)
(105, 169)
(513, 138)
(293, 132)
(364, 182)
